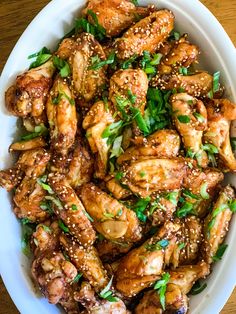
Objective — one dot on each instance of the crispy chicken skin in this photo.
(61, 113)
(142, 266)
(81, 165)
(86, 261)
(195, 180)
(146, 35)
(217, 223)
(163, 143)
(131, 80)
(29, 94)
(176, 301)
(95, 122)
(192, 131)
(160, 175)
(111, 218)
(79, 52)
(72, 211)
(197, 85)
(183, 53)
(37, 142)
(53, 274)
(220, 114)
(115, 15)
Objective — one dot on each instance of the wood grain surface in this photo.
(15, 15)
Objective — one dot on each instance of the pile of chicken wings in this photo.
(119, 176)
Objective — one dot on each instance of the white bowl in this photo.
(218, 53)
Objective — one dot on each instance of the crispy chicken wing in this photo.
(115, 15)
(146, 35)
(86, 261)
(80, 53)
(81, 166)
(95, 122)
(109, 250)
(163, 143)
(29, 94)
(183, 53)
(197, 85)
(111, 218)
(72, 211)
(132, 81)
(53, 273)
(195, 182)
(190, 119)
(37, 142)
(220, 114)
(146, 176)
(217, 223)
(142, 266)
(61, 113)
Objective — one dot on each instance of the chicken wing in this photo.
(196, 85)
(144, 177)
(133, 81)
(183, 53)
(116, 15)
(190, 119)
(37, 142)
(163, 143)
(220, 114)
(29, 94)
(109, 250)
(176, 300)
(142, 266)
(80, 53)
(146, 35)
(95, 122)
(72, 211)
(195, 181)
(53, 273)
(86, 261)
(111, 218)
(81, 166)
(217, 223)
(118, 190)
(61, 113)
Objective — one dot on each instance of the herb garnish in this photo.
(62, 66)
(161, 286)
(63, 226)
(106, 293)
(39, 130)
(42, 182)
(162, 244)
(77, 278)
(140, 208)
(203, 191)
(183, 118)
(220, 252)
(186, 209)
(97, 63)
(197, 288)
(41, 57)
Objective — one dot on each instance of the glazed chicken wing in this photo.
(61, 113)
(81, 166)
(183, 53)
(86, 261)
(29, 94)
(115, 15)
(71, 210)
(217, 223)
(53, 273)
(190, 119)
(116, 188)
(144, 177)
(80, 53)
(220, 114)
(146, 35)
(162, 143)
(196, 85)
(95, 122)
(37, 142)
(111, 218)
(142, 266)
(109, 250)
(132, 81)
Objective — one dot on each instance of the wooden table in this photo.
(15, 15)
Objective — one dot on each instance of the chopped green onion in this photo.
(183, 71)
(181, 245)
(197, 288)
(41, 57)
(140, 208)
(216, 82)
(108, 215)
(63, 226)
(162, 244)
(142, 174)
(203, 191)
(117, 150)
(233, 143)
(128, 63)
(74, 207)
(135, 2)
(132, 98)
(47, 229)
(27, 231)
(119, 213)
(199, 117)
(186, 209)
(232, 206)
(172, 197)
(106, 293)
(210, 148)
(119, 175)
(183, 118)
(112, 129)
(220, 252)
(62, 66)
(140, 120)
(55, 201)
(156, 59)
(88, 216)
(189, 194)
(97, 64)
(77, 278)
(41, 181)
(161, 286)
(39, 130)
